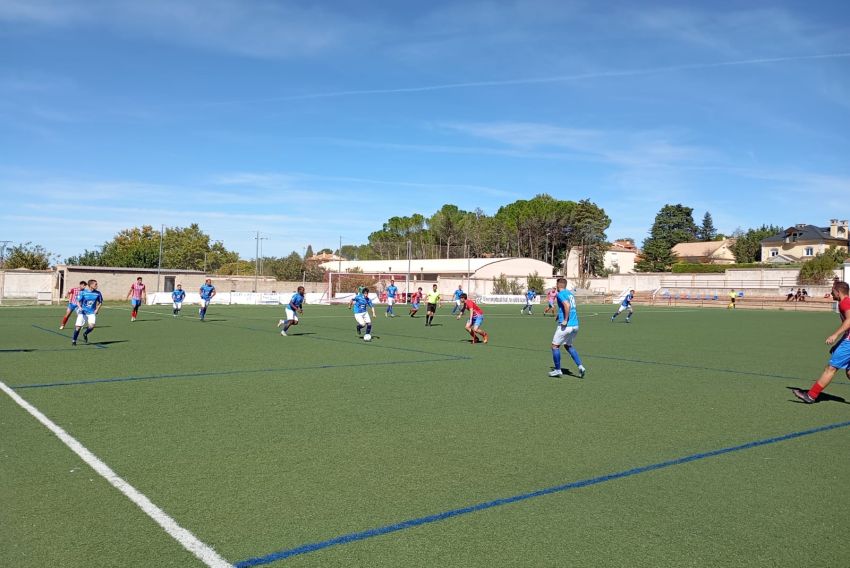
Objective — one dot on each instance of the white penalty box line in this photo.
(189, 541)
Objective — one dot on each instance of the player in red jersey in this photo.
(415, 300)
(476, 318)
(551, 296)
(72, 302)
(840, 341)
(139, 294)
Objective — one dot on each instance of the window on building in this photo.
(810, 251)
(774, 252)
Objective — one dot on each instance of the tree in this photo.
(535, 282)
(309, 252)
(821, 268)
(706, 231)
(747, 246)
(187, 248)
(27, 255)
(673, 224)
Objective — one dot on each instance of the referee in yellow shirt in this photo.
(433, 301)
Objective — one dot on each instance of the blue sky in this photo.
(307, 121)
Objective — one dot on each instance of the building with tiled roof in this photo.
(802, 242)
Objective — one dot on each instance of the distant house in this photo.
(802, 242)
(705, 252)
(324, 257)
(619, 258)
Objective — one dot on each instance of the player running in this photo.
(529, 297)
(177, 297)
(626, 304)
(566, 331)
(89, 302)
(295, 307)
(840, 351)
(551, 297)
(392, 290)
(362, 303)
(73, 293)
(207, 294)
(458, 301)
(415, 299)
(433, 301)
(476, 318)
(139, 295)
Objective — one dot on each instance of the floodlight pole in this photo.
(159, 263)
(408, 269)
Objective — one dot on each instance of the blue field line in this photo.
(419, 521)
(65, 336)
(224, 373)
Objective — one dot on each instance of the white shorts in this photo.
(623, 308)
(362, 318)
(458, 302)
(564, 335)
(177, 305)
(390, 301)
(291, 315)
(204, 303)
(86, 319)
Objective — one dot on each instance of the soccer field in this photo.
(681, 447)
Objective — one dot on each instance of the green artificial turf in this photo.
(259, 443)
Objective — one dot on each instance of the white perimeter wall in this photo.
(25, 283)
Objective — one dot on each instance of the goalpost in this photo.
(342, 286)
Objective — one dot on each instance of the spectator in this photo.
(790, 295)
(804, 295)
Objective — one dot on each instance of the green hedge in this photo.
(716, 268)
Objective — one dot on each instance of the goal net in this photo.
(342, 286)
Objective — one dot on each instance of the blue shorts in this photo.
(841, 355)
(135, 303)
(476, 321)
(415, 306)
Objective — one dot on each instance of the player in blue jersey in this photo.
(177, 297)
(207, 294)
(361, 304)
(295, 307)
(458, 301)
(566, 331)
(529, 297)
(88, 302)
(392, 291)
(626, 304)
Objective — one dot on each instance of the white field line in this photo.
(189, 541)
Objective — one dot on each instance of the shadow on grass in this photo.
(822, 397)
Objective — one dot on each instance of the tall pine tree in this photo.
(706, 231)
(674, 224)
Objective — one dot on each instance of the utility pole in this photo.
(3, 253)
(159, 262)
(257, 261)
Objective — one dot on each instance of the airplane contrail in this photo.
(553, 79)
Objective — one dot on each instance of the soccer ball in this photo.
(367, 337)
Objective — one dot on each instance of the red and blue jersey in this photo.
(136, 291)
(473, 308)
(72, 295)
(843, 308)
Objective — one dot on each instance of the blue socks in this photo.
(369, 328)
(574, 354)
(556, 357)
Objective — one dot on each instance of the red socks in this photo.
(815, 390)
